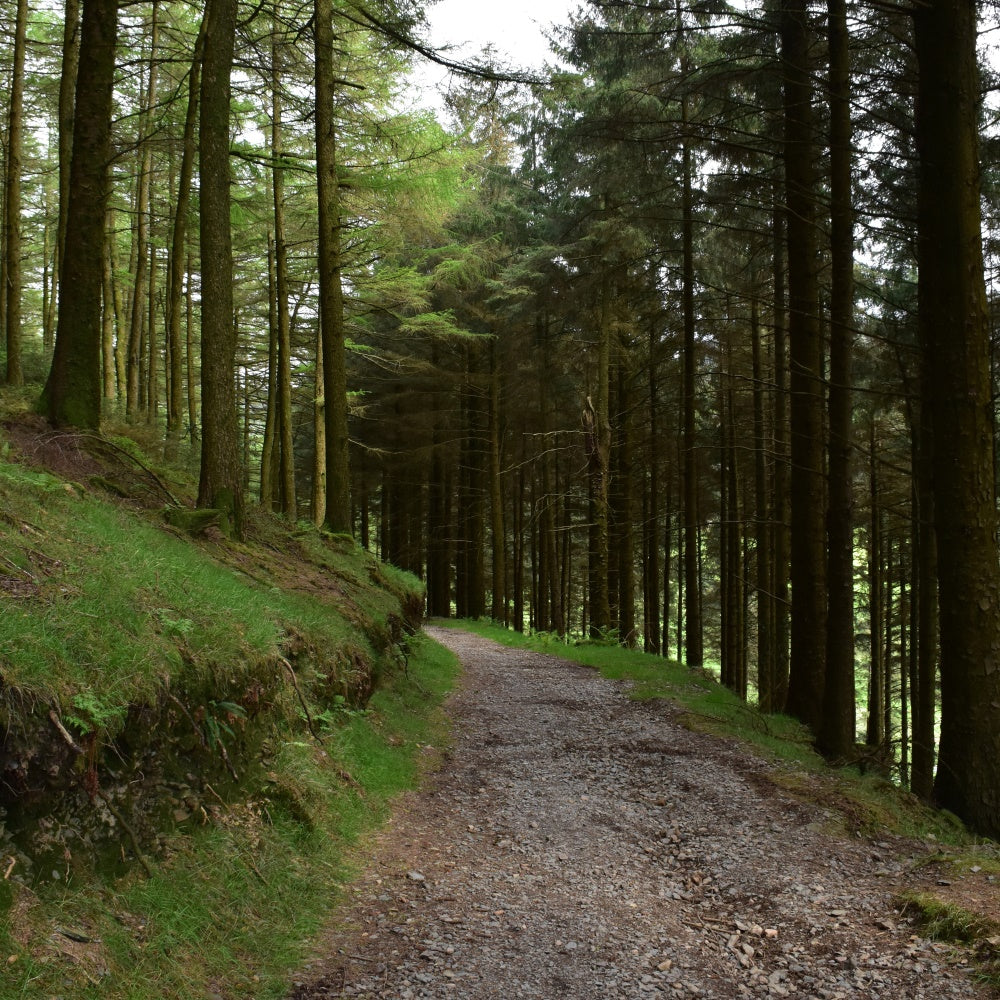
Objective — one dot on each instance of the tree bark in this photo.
(284, 436)
(73, 392)
(837, 730)
(12, 197)
(597, 435)
(498, 588)
(954, 337)
(67, 105)
(694, 654)
(221, 484)
(134, 394)
(762, 528)
(331, 292)
(808, 500)
(781, 475)
(926, 602)
(178, 252)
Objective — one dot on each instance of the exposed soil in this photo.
(578, 844)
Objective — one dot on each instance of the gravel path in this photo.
(578, 844)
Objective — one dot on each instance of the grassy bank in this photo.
(232, 905)
(198, 733)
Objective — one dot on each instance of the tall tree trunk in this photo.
(889, 611)
(780, 526)
(954, 337)
(726, 524)
(597, 433)
(268, 448)
(439, 527)
(836, 732)
(498, 605)
(134, 383)
(108, 329)
(73, 391)
(808, 500)
(284, 437)
(152, 355)
(651, 519)
(873, 734)
(67, 103)
(926, 601)
(331, 292)
(693, 641)
(762, 528)
(221, 482)
(192, 396)
(518, 575)
(319, 438)
(178, 251)
(12, 210)
(625, 515)
(904, 670)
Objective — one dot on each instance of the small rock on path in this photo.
(579, 844)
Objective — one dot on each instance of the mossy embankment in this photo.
(195, 730)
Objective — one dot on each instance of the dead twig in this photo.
(145, 468)
(64, 732)
(302, 701)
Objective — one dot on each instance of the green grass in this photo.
(126, 628)
(234, 906)
(945, 921)
(106, 606)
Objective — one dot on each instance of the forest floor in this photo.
(577, 843)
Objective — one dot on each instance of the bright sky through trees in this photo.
(516, 29)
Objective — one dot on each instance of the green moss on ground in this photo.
(206, 729)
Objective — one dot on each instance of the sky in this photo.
(514, 27)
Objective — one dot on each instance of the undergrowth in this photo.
(232, 907)
(104, 606)
(117, 632)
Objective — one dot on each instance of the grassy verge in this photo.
(231, 908)
(197, 733)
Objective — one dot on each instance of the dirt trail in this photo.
(577, 844)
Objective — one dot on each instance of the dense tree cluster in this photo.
(686, 347)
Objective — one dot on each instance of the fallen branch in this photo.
(64, 732)
(302, 701)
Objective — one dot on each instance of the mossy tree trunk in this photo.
(221, 483)
(73, 391)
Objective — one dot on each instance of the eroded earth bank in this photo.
(578, 844)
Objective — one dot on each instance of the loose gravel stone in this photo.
(579, 844)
